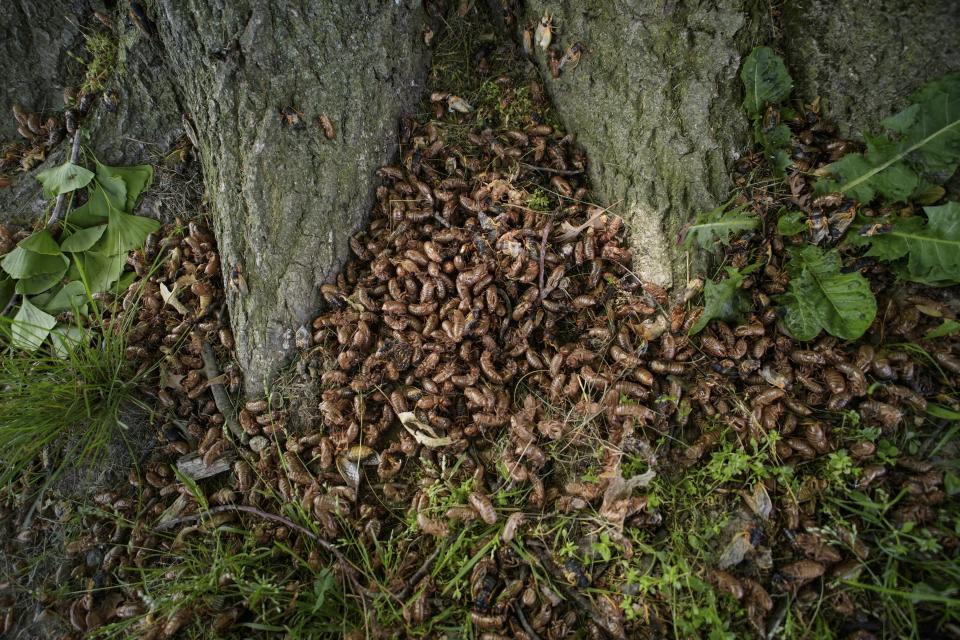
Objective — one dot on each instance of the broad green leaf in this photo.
(901, 122)
(39, 284)
(820, 297)
(136, 179)
(946, 328)
(21, 263)
(93, 212)
(925, 144)
(723, 300)
(99, 271)
(71, 296)
(64, 179)
(30, 326)
(765, 80)
(125, 233)
(82, 239)
(114, 189)
(717, 226)
(791, 223)
(127, 279)
(41, 242)
(931, 246)
(65, 338)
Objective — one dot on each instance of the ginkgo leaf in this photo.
(99, 271)
(39, 284)
(7, 286)
(21, 263)
(63, 179)
(65, 339)
(41, 242)
(93, 212)
(125, 233)
(30, 326)
(82, 239)
(136, 180)
(70, 296)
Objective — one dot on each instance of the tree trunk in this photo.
(655, 101)
(256, 76)
(865, 59)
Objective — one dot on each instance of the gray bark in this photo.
(35, 38)
(285, 199)
(655, 101)
(865, 59)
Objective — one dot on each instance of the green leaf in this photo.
(791, 223)
(82, 239)
(946, 328)
(93, 212)
(723, 300)
(21, 263)
(926, 144)
(114, 189)
(39, 284)
(901, 122)
(820, 297)
(72, 295)
(125, 233)
(30, 326)
(765, 80)
(41, 242)
(940, 411)
(66, 338)
(64, 179)
(100, 271)
(136, 180)
(717, 226)
(931, 246)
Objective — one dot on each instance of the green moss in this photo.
(103, 51)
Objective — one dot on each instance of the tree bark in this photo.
(655, 101)
(256, 76)
(865, 59)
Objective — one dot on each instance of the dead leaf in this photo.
(735, 551)
(759, 501)
(422, 432)
(170, 297)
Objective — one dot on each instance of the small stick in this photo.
(543, 256)
(517, 609)
(559, 172)
(420, 573)
(60, 208)
(212, 371)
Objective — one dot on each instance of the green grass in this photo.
(64, 410)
